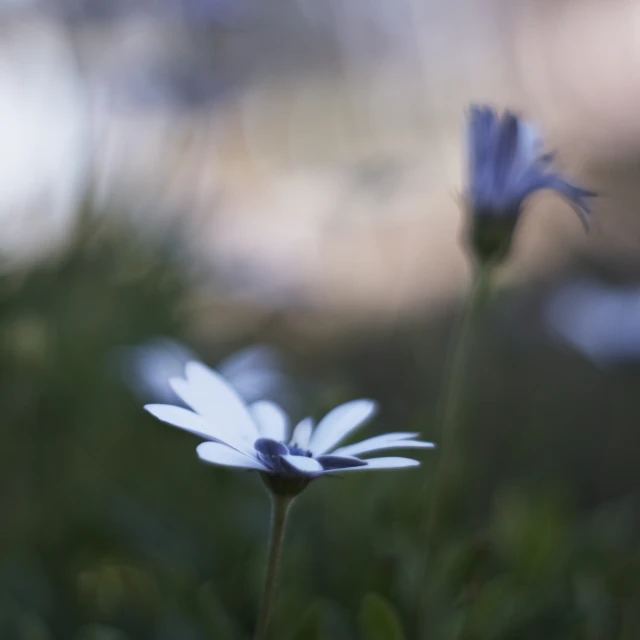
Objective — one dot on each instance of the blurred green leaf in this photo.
(311, 624)
(100, 632)
(531, 533)
(112, 527)
(216, 617)
(378, 620)
(33, 628)
(495, 609)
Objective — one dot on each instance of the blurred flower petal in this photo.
(148, 368)
(256, 373)
(600, 321)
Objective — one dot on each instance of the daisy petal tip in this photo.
(201, 449)
(195, 368)
(151, 408)
(158, 410)
(373, 405)
(407, 463)
(392, 463)
(417, 444)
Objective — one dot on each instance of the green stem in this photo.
(454, 384)
(448, 417)
(279, 512)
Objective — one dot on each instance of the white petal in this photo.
(217, 453)
(339, 422)
(380, 463)
(304, 463)
(220, 398)
(302, 433)
(184, 419)
(366, 446)
(271, 420)
(361, 447)
(399, 435)
(256, 385)
(194, 423)
(210, 395)
(187, 394)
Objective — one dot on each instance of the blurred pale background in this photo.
(313, 149)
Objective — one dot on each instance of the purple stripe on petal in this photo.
(339, 462)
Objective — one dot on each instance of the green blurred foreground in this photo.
(112, 529)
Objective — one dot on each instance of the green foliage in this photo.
(378, 619)
(311, 625)
(112, 530)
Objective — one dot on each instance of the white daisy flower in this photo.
(257, 436)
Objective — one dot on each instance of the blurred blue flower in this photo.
(506, 166)
(600, 321)
(256, 436)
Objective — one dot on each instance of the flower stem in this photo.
(448, 418)
(279, 512)
(454, 383)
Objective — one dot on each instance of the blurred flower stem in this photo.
(447, 421)
(280, 505)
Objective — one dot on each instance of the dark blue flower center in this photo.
(270, 453)
(295, 450)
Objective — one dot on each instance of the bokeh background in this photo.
(275, 188)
